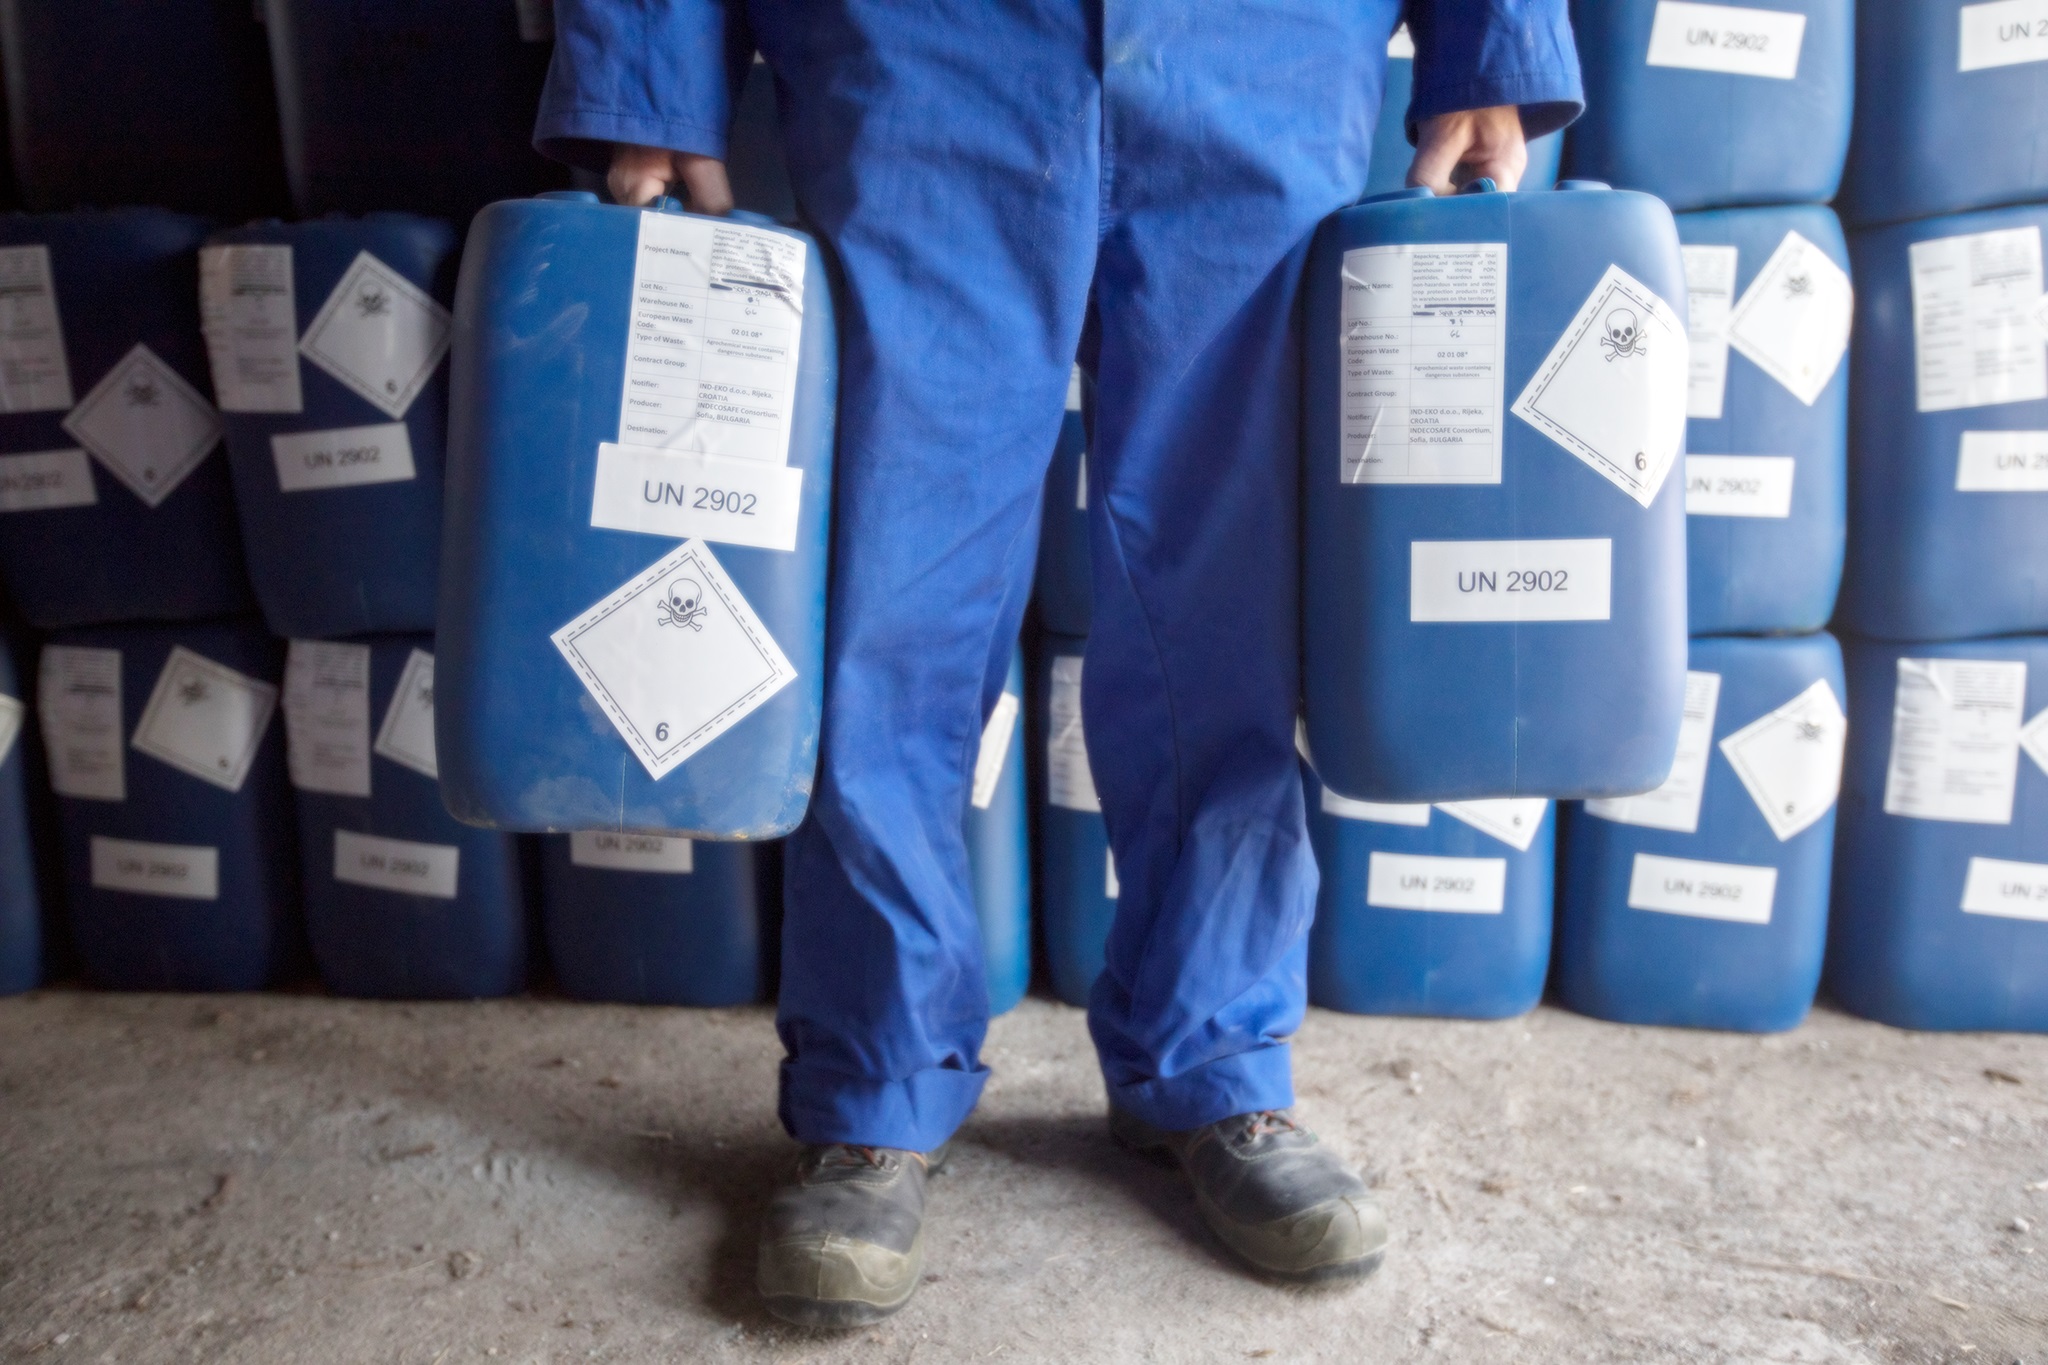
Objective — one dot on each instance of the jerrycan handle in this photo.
(1483, 185)
(667, 203)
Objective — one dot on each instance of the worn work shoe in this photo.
(843, 1245)
(1279, 1199)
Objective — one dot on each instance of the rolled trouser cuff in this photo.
(1242, 1083)
(914, 1114)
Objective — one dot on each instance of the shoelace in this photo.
(848, 1154)
(1270, 1121)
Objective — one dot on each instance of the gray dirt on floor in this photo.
(293, 1178)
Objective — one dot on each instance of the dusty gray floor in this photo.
(300, 1179)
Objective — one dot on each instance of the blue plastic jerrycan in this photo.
(326, 342)
(168, 102)
(999, 846)
(654, 919)
(23, 942)
(1391, 150)
(1948, 101)
(113, 504)
(1708, 106)
(1442, 911)
(1494, 554)
(389, 103)
(1704, 903)
(755, 161)
(173, 805)
(1948, 492)
(639, 484)
(1076, 872)
(1767, 430)
(1941, 871)
(1060, 588)
(401, 901)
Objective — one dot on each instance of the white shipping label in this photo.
(1710, 296)
(1613, 389)
(378, 333)
(616, 852)
(536, 20)
(1512, 820)
(11, 712)
(1794, 318)
(1415, 814)
(1975, 339)
(1995, 886)
(2034, 739)
(2003, 33)
(396, 864)
(1686, 886)
(1417, 881)
(146, 425)
(1401, 46)
(78, 700)
(205, 719)
(185, 871)
(34, 375)
(675, 656)
(327, 717)
(2002, 462)
(711, 497)
(1739, 485)
(1791, 759)
(1676, 804)
(46, 479)
(1955, 740)
(713, 341)
(1068, 780)
(1111, 887)
(406, 736)
(249, 313)
(1423, 338)
(311, 460)
(995, 749)
(1733, 39)
(1510, 580)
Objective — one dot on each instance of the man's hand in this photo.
(640, 175)
(1451, 149)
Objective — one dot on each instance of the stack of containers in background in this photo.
(117, 534)
(1704, 902)
(1941, 904)
(328, 342)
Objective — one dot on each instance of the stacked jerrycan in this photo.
(429, 106)
(998, 845)
(633, 573)
(24, 933)
(1709, 105)
(1494, 584)
(328, 341)
(1391, 150)
(1076, 872)
(168, 102)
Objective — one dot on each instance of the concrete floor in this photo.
(292, 1178)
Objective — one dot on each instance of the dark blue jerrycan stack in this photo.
(1494, 580)
(1708, 105)
(113, 504)
(1392, 151)
(326, 341)
(22, 935)
(654, 919)
(639, 483)
(1941, 868)
(1767, 430)
(392, 102)
(1705, 902)
(1948, 494)
(1060, 588)
(1441, 911)
(755, 161)
(166, 102)
(1076, 874)
(401, 901)
(175, 813)
(999, 846)
(1948, 103)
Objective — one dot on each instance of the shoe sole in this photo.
(830, 1314)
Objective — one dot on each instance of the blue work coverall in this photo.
(1000, 186)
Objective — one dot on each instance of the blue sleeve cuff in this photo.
(661, 73)
(584, 137)
(1547, 103)
(1479, 54)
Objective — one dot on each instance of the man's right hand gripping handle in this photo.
(640, 175)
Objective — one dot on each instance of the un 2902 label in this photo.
(342, 458)
(1734, 39)
(183, 871)
(683, 494)
(1687, 886)
(1416, 881)
(1510, 580)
